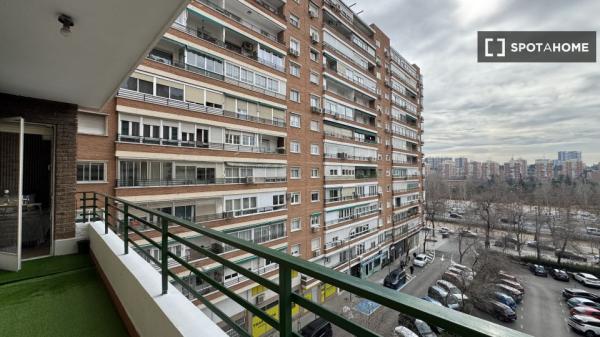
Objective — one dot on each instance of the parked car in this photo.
(559, 275)
(455, 278)
(317, 328)
(468, 275)
(570, 256)
(423, 329)
(505, 275)
(499, 310)
(512, 284)
(443, 229)
(576, 292)
(402, 331)
(512, 292)
(442, 296)
(585, 311)
(462, 267)
(431, 300)
(543, 245)
(587, 325)
(467, 233)
(587, 280)
(453, 291)
(538, 270)
(581, 302)
(502, 244)
(505, 299)
(420, 260)
(395, 279)
(455, 216)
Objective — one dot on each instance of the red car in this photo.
(585, 311)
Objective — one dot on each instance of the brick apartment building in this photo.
(291, 124)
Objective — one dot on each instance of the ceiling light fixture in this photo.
(67, 23)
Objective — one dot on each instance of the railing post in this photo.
(126, 228)
(285, 302)
(84, 207)
(94, 206)
(164, 265)
(106, 214)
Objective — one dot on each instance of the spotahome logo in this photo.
(536, 46)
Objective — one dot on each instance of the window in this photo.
(315, 220)
(129, 128)
(278, 200)
(314, 78)
(314, 126)
(313, 10)
(91, 124)
(169, 92)
(295, 46)
(295, 198)
(314, 55)
(314, 149)
(314, 172)
(295, 95)
(295, 250)
(295, 173)
(315, 101)
(91, 172)
(295, 225)
(294, 21)
(314, 35)
(294, 147)
(295, 69)
(315, 244)
(314, 196)
(140, 85)
(294, 120)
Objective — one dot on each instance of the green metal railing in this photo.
(117, 214)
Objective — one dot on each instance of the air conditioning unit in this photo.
(217, 248)
(229, 215)
(388, 84)
(314, 38)
(249, 180)
(315, 109)
(303, 281)
(337, 116)
(260, 299)
(342, 155)
(316, 253)
(312, 14)
(314, 229)
(293, 52)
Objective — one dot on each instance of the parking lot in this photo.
(542, 313)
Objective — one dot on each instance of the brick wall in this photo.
(63, 117)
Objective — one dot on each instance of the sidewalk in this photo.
(345, 299)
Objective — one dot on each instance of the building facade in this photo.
(569, 155)
(294, 125)
(544, 169)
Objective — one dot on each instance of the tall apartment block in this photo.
(291, 124)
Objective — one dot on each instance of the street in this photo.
(543, 311)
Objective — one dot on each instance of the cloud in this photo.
(495, 110)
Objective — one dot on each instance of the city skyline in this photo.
(467, 112)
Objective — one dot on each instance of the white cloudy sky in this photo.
(492, 110)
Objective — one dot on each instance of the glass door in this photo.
(11, 192)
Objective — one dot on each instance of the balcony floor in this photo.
(57, 296)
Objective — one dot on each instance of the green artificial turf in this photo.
(63, 303)
(46, 266)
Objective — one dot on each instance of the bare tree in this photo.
(563, 224)
(514, 209)
(540, 201)
(486, 207)
(436, 198)
(466, 244)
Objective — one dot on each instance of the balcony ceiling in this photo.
(108, 39)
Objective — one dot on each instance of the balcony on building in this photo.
(257, 22)
(352, 212)
(345, 112)
(346, 13)
(404, 118)
(349, 34)
(156, 173)
(181, 55)
(342, 193)
(134, 129)
(347, 236)
(350, 74)
(174, 94)
(208, 30)
(349, 173)
(347, 133)
(344, 152)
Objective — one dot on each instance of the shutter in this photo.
(229, 104)
(143, 77)
(215, 97)
(193, 94)
(169, 83)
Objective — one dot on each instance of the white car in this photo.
(402, 331)
(420, 260)
(587, 325)
(587, 280)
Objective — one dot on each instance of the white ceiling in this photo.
(108, 40)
